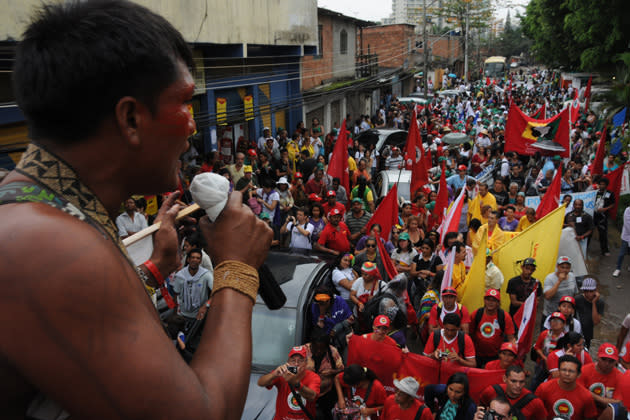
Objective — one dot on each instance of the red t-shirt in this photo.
(339, 240)
(576, 404)
(496, 364)
(286, 405)
(461, 311)
(392, 411)
(552, 359)
(376, 398)
(488, 335)
(600, 384)
(546, 342)
(337, 205)
(314, 187)
(450, 346)
(535, 409)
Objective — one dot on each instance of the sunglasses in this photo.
(370, 246)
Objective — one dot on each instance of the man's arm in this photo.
(91, 312)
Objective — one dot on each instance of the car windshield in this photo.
(273, 333)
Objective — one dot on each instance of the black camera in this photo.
(292, 369)
(491, 415)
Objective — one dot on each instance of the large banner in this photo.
(588, 197)
(389, 363)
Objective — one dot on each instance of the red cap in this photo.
(301, 350)
(331, 193)
(251, 152)
(569, 299)
(298, 175)
(314, 197)
(494, 293)
(449, 291)
(509, 346)
(395, 149)
(609, 351)
(381, 321)
(334, 212)
(462, 168)
(558, 315)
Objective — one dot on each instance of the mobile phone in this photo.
(292, 369)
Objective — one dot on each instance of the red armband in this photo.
(154, 271)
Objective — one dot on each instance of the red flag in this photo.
(549, 201)
(478, 379)
(383, 359)
(388, 264)
(414, 156)
(615, 187)
(441, 202)
(386, 213)
(487, 81)
(575, 107)
(522, 131)
(587, 94)
(338, 166)
(423, 369)
(525, 319)
(451, 223)
(598, 163)
(540, 114)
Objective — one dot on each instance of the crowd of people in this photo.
(284, 181)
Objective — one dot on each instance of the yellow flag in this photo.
(475, 285)
(539, 241)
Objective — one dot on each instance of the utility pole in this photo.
(425, 49)
(466, 43)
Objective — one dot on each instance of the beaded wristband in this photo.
(238, 276)
(154, 271)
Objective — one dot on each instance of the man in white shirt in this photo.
(130, 221)
(395, 160)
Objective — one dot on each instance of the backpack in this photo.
(459, 311)
(419, 412)
(519, 405)
(461, 342)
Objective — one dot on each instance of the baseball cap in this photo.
(266, 128)
(264, 215)
(357, 200)
(589, 283)
(609, 351)
(563, 260)
(556, 157)
(334, 212)
(247, 169)
(508, 346)
(462, 168)
(331, 193)
(298, 175)
(301, 350)
(395, 149)
(493, 293)
(381, 321)
(449, 291)
(567, 299)
(321, 297)
(404, 236)
(529, 261)
(251, 152)
(314, 197)
(558, 315)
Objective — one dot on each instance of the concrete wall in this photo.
(343, 64)
(277, 22)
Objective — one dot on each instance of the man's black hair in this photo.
(195, 251)
(513, 368)
(452, 319)
(571, 359)
(77, 59)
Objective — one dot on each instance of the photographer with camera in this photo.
(300, 228)
(294, 378)
(498, 409)
(451, 344)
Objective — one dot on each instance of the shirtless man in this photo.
(79, 327)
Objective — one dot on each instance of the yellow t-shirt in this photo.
(352, 164)
(494, 241)
(474, 208)
(523, 224)
(458, 278)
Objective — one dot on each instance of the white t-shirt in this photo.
(359, 287)
(337, 276)
(404, 258)
(625, 323)
(269, 199)
(299, 240)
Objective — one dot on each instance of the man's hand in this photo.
(597, 296)
(201, 314)
(563, 276)
(165, 253)
(237, 234)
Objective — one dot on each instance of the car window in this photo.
(273, 333)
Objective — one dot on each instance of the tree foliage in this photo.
(512, 42)
(479, 13)
(585, 34)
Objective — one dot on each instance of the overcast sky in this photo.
(376, 10)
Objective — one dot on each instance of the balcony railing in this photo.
(366, 65)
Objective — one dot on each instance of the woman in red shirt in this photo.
(359, 386)
(571, 343)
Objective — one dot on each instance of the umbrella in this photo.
(455, 138)
(452, 75)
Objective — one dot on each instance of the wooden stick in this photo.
(154, 227)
